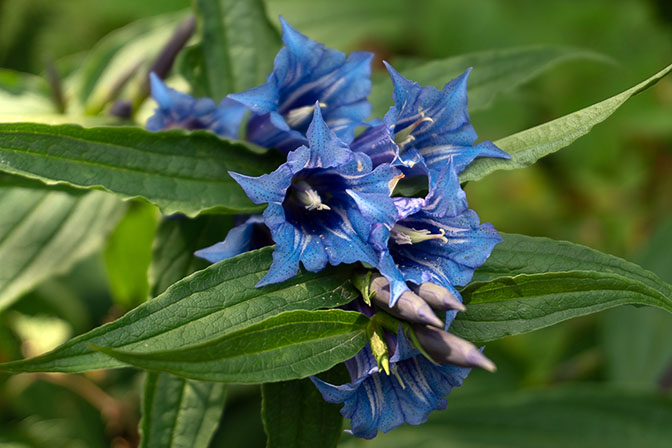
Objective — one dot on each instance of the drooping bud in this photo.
(438, 297)
(409, 307)
(447, 348)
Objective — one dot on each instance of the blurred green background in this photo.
(610, 190)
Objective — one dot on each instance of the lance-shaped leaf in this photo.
(210, 303)
(523, 303)
(295, 415)
(291, 345)
(521, 254)
(495, 72)
(122, 57)
(528, 146)
(179, 413)
(44, 233)
(178, 171)
(569, 416)
(238, 45)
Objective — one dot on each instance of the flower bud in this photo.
(447, 348)
(409, 307)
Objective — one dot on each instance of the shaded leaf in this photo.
(128, 254)
(295, 415)
(570, 416)
(44, 233)
(495, 71)
(179, 413)
(177, 238)
(238, 45)
(125, 53)
(178, 171)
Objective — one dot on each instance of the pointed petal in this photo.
(237, 241)
(446, 197)
(327, 150)
(268, 187)
(260, 100)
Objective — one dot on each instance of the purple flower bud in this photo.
(409, 307)
(447, 348)
(438, 297)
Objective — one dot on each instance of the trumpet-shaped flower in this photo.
(306, 73)
(178, 110)
(376, 401)
(435, 239)
(311, 213)
(426, 122)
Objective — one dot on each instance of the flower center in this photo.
(296, 117)
(404, 137)
(308, 197)
(406, 235)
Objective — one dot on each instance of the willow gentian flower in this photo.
(426, 122)
(405, 390)
(306, 73)
(311, 213)
(177, 110)
(435, 239)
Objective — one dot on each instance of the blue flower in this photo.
(426, 122)
(437, 239)
(305, 72)
(250, 235)
(376, 401)
(311, 213)
(182, 111)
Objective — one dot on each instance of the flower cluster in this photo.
(333, 201)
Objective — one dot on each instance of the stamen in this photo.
(296, 117)
(404, 137)
(309, 197)
(398, 377)
(406, 235)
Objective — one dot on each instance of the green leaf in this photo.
(44, 233)
(569, 416)
(528, 146)
(210, 303)
(291, 345)
(178, 412)
(128, 254)
(178, 171)
(640, 356)
(176, 241)
(520, 254)
(128, 51)
(238, 45)
(495, 71)
(295, 415)
(523, 303)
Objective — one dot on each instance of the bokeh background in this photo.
(611, 190)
